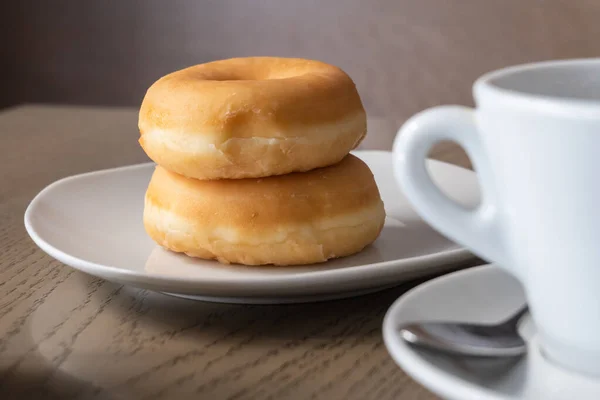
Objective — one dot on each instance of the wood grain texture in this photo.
(64, 334)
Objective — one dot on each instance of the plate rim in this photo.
(374, 271)
(439, 382)
(532, 371)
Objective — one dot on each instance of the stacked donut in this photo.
(254, 165)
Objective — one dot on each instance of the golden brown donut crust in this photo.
(251, 117)
(300, 218)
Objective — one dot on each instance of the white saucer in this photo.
(482, 294)
(93, 222)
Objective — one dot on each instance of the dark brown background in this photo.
(404, 55)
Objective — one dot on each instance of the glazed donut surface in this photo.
(299, 218)
(251, 117)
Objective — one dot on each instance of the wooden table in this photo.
(65, 334)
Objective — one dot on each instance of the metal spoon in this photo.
(497, 340)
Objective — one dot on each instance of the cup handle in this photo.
(478, 229)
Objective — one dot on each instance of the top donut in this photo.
(251, 117)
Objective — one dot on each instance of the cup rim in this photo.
(484, 90)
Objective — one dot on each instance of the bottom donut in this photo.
(299, 218)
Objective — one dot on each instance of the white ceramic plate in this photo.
(93, 222)
(480, 295)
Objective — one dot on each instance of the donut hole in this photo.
(223, 76)
(246, 74)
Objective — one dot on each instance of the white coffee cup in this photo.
(534, 140)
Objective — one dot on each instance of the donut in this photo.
(298, 218)
(251, 117)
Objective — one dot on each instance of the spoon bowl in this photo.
(496, 340)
